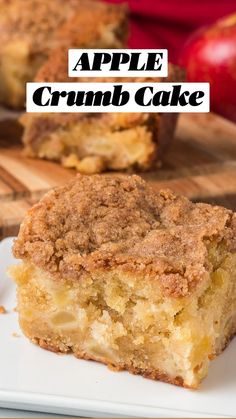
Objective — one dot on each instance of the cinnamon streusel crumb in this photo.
(2, 310)
(119, 221)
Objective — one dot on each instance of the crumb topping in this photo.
(105, 222)
(44, 25)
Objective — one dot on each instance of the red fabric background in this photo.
(168, 23)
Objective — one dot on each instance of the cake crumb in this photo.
(2, 310)
(15, 335)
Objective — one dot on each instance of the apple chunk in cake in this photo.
(115, 272)
(94, 143)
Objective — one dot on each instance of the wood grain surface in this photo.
(201, 164)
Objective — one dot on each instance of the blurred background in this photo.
(199, 35)
(168, 24)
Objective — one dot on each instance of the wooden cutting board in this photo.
(201, 164)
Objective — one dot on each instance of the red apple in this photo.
(210, 55)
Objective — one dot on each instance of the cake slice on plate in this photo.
(139, 280)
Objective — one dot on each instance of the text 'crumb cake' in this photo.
(116, 272)
(31, 30)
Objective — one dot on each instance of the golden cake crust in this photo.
(151, 374)
(105, 222)
(93, 22)
(41, 19)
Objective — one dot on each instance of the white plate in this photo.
(34, 379)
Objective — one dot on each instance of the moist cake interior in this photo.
(17, 66)
(94, 144)
(125, 322)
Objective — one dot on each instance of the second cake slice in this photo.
(93, 143)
